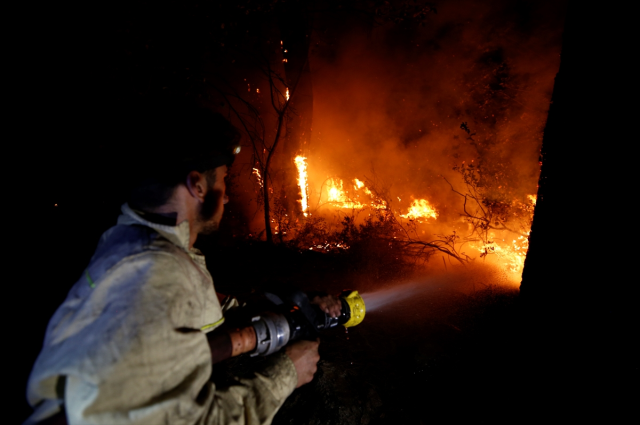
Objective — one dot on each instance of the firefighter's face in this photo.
(212, 206)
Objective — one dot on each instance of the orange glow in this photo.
(469, 143)
(420, 210)
(301, 165)
(510, 255)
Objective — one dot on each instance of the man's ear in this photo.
(197, 185)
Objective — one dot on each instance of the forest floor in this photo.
(445, 347)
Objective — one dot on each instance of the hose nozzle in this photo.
(355, 308)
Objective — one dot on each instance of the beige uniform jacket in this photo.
(128, 345)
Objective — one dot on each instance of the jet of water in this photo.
(386, 296)
(463, 279)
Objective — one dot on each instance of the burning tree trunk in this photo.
(295, 32)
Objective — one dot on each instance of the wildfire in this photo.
(337, 195)
(420, 209)
(301, 165)
(507, 252)
(360, 185)
(287, 94)
(256, 173)
(511, 255)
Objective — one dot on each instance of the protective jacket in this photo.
(128, 345)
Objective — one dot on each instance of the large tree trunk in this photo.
(574, 287)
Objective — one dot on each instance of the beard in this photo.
(210, 209)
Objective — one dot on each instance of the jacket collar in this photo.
(178, 235)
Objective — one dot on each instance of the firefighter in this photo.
(129, 343)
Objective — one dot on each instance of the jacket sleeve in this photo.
(134, 354)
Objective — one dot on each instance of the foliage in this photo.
(489, 206)
(380, 243)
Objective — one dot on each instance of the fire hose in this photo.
(282, 318)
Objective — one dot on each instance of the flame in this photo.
(533, 199)
(338, 196)
(512, 255)
(508, 253)
(420, 209)
(341, 199)
(335, 191)
(287, 94)
(360, 185)
(256, 173)
(301, 165)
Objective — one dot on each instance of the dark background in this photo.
(573, 352)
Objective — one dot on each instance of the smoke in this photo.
(389, 101)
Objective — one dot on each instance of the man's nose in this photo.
(226, 199)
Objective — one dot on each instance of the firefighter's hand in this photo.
(304, 355)
(329, 304)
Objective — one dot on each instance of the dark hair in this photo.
(168, 141)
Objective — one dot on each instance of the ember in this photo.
(256, 173)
